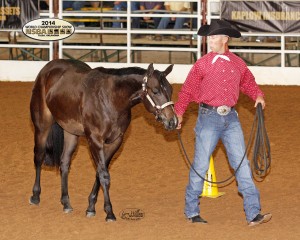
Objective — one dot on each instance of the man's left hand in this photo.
(261, 100)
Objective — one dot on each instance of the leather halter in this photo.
(158, 108)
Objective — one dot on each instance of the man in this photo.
(152, 6)
(214, 82)
(121, 6)
(164, 22)
(136, 21)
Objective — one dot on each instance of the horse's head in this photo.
(157, 96)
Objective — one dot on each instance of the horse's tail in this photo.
(54, 146)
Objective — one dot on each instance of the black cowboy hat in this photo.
(219, 27)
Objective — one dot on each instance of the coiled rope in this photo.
(261, 161)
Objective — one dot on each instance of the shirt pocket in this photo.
(234, 76)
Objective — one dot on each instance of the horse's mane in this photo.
(137, 71)
(122, 71)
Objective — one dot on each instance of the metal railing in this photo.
(131, 46)
(14, 46)
(280, 52)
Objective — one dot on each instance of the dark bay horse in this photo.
(69, 100)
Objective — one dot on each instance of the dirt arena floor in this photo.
(149, 174)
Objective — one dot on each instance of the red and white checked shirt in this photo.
(217, 83)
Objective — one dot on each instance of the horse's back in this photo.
(59, 76)
(53, 71)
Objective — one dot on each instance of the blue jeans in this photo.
(164, 22)
(123, 6)
(75, 5)
(211, 127)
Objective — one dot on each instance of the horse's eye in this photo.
(155, 90)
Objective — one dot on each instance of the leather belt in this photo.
(221, 110)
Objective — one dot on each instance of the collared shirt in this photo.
(217, 83)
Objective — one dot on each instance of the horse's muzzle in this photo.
(171, 124)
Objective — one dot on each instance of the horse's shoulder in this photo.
(96, 79)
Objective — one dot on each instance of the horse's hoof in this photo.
(68, 210)
(34, 201)
(110, 218)
(90, 214)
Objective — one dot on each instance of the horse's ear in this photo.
(168, 70)
(150, 69)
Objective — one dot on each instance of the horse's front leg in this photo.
(109, 151)
(91, 212)
(70, 143)
(104, 178)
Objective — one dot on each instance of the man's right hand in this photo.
(180, 119)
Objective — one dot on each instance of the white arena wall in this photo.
(26, 71)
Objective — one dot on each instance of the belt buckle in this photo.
(223, 110)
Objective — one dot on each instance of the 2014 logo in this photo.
(48, 29)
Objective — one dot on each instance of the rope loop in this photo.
(261, 161)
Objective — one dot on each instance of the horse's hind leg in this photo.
(70, 143)
(42, 126)
(39, 153)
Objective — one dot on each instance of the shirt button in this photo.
(232, 71)
(223, 70)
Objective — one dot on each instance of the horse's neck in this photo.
(131, 85)
(137, 90)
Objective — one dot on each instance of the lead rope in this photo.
(261, 161)
(261, 149)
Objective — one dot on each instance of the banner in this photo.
(15, 13)
(262, 16)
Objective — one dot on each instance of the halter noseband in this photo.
(157, 107)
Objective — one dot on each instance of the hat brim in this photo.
(204, 31)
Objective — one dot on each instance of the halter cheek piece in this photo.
(157, 107)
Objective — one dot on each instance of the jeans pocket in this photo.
(237, 114)
(204, 115)
(205, 111)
